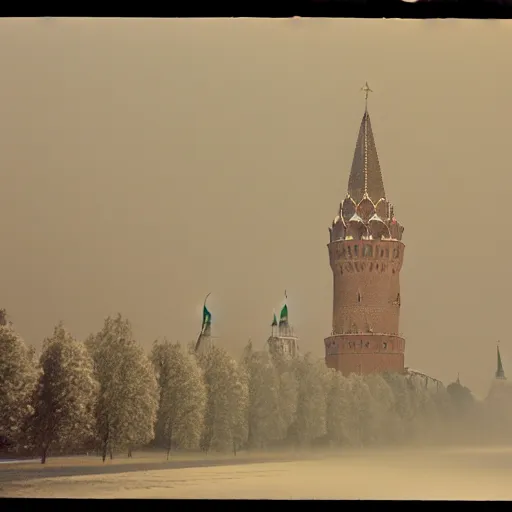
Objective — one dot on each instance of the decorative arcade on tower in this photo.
(366, 255)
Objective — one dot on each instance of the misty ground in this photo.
(457, 473)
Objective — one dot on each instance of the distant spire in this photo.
(283, 317)
(500, 373)
(284, 326)
(365, 175)
(458, 378)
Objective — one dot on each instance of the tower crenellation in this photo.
(366, 255)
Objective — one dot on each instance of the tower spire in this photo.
(365, 175)
(500, 373)
(366, 89)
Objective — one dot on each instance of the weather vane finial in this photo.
(366, 89)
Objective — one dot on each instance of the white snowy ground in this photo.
(457, 474)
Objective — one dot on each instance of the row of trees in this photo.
(107, 395)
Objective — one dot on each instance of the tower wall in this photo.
(283, 345)
(365, 353)
(366, 295)
(366, 307)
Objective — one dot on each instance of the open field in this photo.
(459, 474)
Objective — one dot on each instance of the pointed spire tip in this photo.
(366, 89)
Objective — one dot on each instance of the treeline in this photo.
(107, 396)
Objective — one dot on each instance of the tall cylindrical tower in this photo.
(366, 255)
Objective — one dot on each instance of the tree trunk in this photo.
(44, 452)
(111, 454)
(234, 448)
(169, 443)
(130, 452)
(104, 446)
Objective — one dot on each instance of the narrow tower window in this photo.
(358, 297)
(367, 250)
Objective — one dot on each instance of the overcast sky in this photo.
(145, 163)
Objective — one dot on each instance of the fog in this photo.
(449, 474)
(146, 163)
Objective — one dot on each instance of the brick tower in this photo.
(366, 255)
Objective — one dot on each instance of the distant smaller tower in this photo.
(500, 373)
(282, 339)
(500, 388)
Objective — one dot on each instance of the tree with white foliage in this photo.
(403, 406)
(226, 413)
(182, 396)
(287, 392)
(263, 381)
(363, 412)
(239, 398)
(65, 397)
(287, 397)
(384, 420)
(18, 376)
(339, 409)
(313, 378)
(127, 404)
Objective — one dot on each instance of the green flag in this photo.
(274, 322)
(207, 319)
(284, 314)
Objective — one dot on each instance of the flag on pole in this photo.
(207, 319)
(205, 326)
(274, 322)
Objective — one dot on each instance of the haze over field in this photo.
(457, 474)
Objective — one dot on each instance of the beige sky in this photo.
(145, 163)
